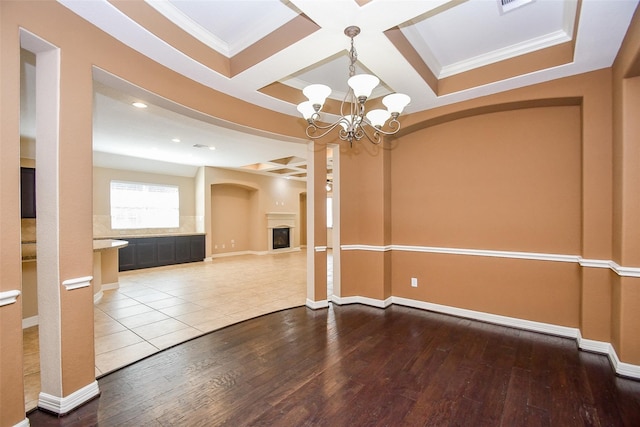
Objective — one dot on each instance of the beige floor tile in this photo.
(241, 316)
(177, 337)
(178, 310)
(107, 327)
(143, 319)
(30, 342)
(196, 297)
(214, 324)
(99, 315)
(120, 313)
(112, 295)
(164, 303)
(31, 363)
(137, 290)
(116, 304)
(32, 390)
(116, 341)
(156, 329)
(199, 317)
(109, 361)
(152, 296)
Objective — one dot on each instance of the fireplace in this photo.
(280, 231)
(280, 238)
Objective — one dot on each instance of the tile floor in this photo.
(157, 308)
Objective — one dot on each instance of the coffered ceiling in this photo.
(265, 51)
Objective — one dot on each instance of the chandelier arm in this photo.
(313, 123)
(394, 126)
(313, 127)
(375, 139)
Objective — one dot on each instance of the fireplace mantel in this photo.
(281, 219)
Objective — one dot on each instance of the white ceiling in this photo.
(450, 36)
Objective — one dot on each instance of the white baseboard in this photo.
(98, 296)
(361, 300)
(316, 305)
(29, 322)
(64, 405)
(228, 254)
(529, 325)
(110, 286)
(23, 423)
(621, 368)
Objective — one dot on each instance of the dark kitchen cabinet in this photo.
(145, 252)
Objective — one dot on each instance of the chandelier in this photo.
(354, 122)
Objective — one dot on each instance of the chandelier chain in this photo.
(353, 56)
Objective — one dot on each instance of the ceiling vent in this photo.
(203, 146)
(509, 5)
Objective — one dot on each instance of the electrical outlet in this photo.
(215, 246)
(414, 282)
(223, 246)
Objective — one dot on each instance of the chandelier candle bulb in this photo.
(396, 102)
(317, 94)
(378, 117)
(363, 85)
(306, 109)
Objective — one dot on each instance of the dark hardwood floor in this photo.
(362, 366)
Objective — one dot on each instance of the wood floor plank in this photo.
(356, 365)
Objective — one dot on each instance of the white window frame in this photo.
(144, 205)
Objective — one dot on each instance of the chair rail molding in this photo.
(9, 297)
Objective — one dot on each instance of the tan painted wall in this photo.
(625, 305)
(506, 181)
(525, 171)
(501, 181)
(365, 189)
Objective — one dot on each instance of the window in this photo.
(140, 205)
(329, 212)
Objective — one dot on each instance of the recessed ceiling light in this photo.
(175, 140)
(139, 105)
(212, 148)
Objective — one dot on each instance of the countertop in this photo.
(29, 247)
(140, 236)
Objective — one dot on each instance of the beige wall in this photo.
(253, 195)
(102, 178)
(235, 202)
(233, 216)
